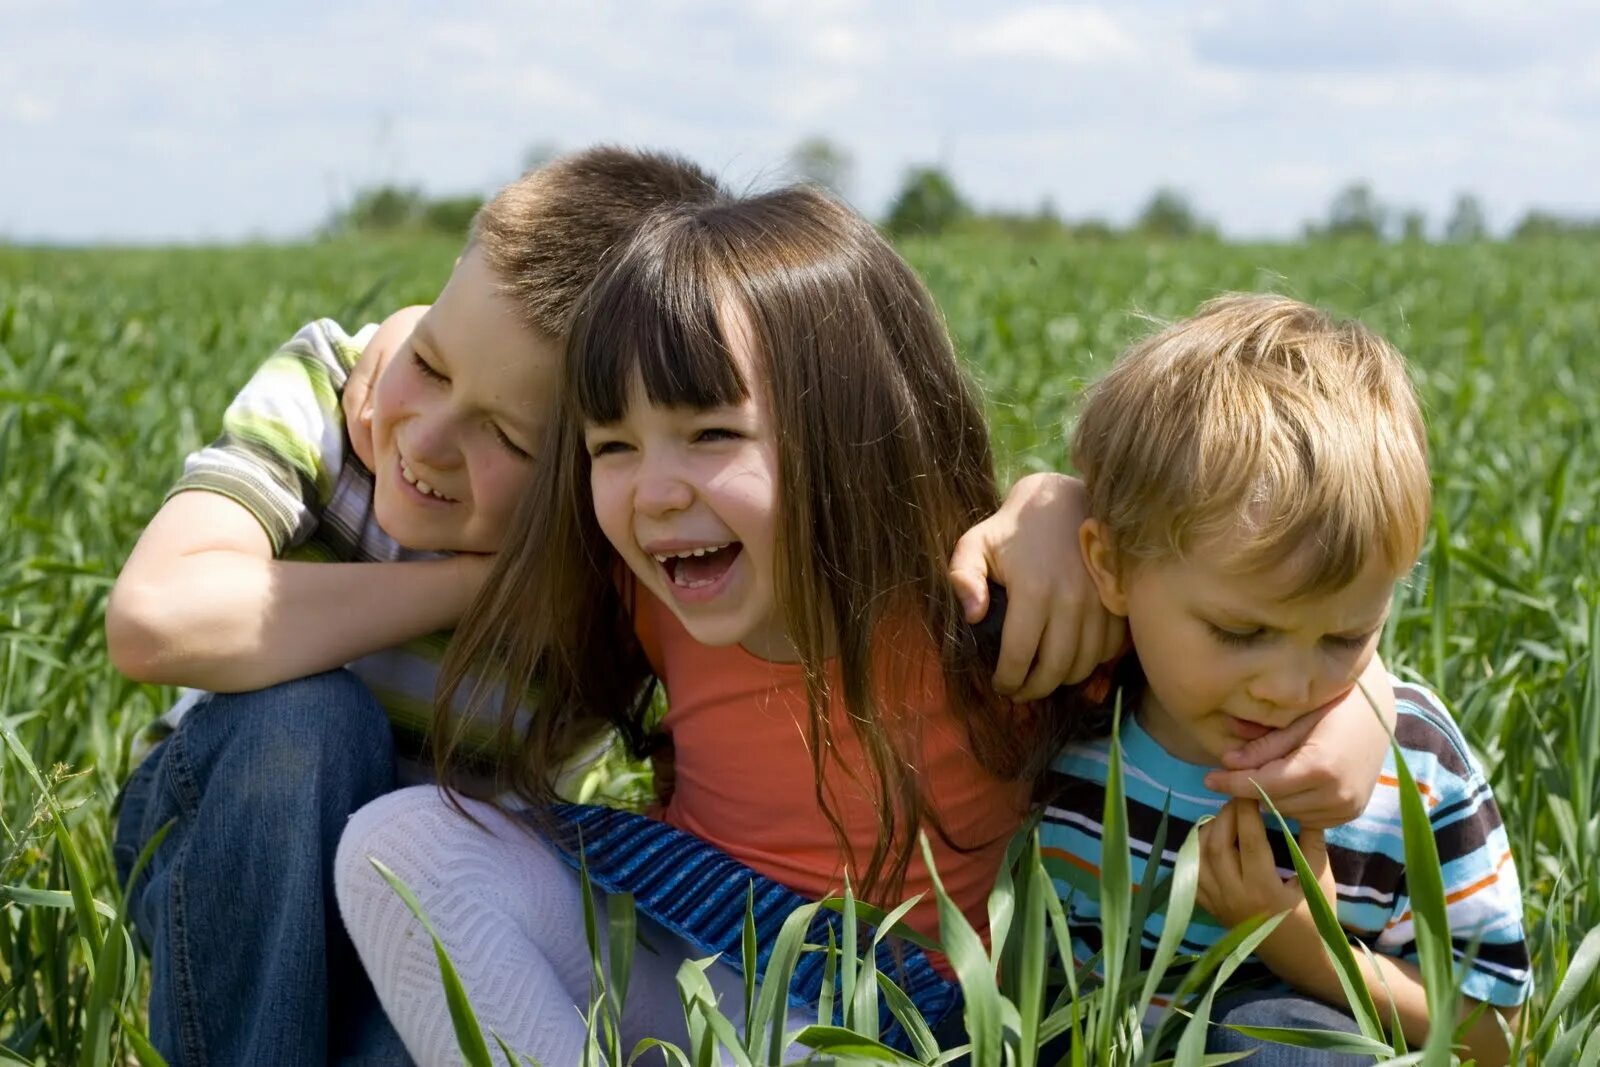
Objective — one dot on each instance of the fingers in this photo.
(1059, 654)
(1085, 649)
(969, 573)
(1273, 746)
(1026, 618)
(1220, 847)
(1255, 854)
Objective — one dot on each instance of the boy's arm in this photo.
(1239, 879)
(1056, 631)
(201, 602)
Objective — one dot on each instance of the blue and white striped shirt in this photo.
(1483, 897)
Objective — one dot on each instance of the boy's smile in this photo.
(456, 415)
(1228, 657)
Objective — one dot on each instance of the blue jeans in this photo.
(1265, 1007)
(250, 962)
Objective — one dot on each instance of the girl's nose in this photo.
(660, 489)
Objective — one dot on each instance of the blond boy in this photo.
(1258, 483)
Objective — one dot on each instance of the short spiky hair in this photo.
(546, 234)
(1263, 422)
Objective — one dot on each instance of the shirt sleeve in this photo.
(1483, 896)
(283, 440)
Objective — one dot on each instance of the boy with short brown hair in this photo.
(279, 557)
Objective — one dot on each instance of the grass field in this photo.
(114, 364)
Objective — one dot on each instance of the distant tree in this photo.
(928, 203)
(1538, 224)
(1093, 229)
(381, 207)
(1466, 221)
(452, 214)
(1413, 226)
(1356, 212)
(1168, 214)
(822, 162)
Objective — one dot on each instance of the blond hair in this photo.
(1265, 427)
(546, 234)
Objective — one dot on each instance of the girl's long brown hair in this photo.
(884, 461)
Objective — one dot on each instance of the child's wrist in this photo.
(1295, 954)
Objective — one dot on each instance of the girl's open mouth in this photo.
(699, 568)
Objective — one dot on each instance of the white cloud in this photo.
(1070, 33)
(28, 109)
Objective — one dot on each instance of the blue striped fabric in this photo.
(699, 893)
(1484, 902)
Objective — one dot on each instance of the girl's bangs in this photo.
(661, 323)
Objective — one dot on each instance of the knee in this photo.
(1275, 1010)
(408, 831)
(323, 731)
(442, 855)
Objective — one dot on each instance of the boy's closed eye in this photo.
(428, 370)
(507, 443)
(1260, 635)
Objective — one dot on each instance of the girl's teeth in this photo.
(662, 557)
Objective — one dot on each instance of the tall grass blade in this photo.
(469, 1035)
(974, 971)
(1425, 884)
(1116, 891)
(1334, 939)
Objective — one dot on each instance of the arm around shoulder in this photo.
(157, 606)
(202, 602)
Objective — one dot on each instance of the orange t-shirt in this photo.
(743, 775)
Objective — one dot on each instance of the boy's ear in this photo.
(1100, 560)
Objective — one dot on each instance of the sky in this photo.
(195, 121)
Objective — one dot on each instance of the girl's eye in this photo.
(1234, 637)
(718, 433)
(606, 448)
(426, 368)
(509, 445)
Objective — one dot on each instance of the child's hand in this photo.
(1320, 770)
(357, 397)
(1239, 878)
(1056, 630)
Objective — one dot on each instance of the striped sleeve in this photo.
(1483, 896)
(283, 442)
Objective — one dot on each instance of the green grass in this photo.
(114, 364)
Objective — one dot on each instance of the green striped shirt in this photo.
(283, 456)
